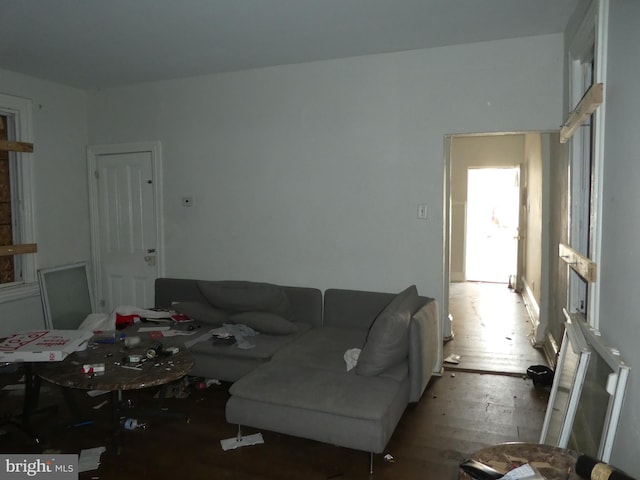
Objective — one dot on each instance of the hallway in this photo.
(491, 330)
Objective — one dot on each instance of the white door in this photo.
(493, 203)
(126, 226)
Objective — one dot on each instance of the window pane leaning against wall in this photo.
(17, 230)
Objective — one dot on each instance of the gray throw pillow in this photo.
(202, 312)
(387, 342)
(242, 296)
(265, 322)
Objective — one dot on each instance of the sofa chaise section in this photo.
(306, 390)
(319, 404)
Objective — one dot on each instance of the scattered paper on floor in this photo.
(453, 358)
(90, 458)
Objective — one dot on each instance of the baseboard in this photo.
(457, 277)
(533, 309)
(551, 349)
(547, 343)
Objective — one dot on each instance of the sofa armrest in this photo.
(423, 348)
(169, 290)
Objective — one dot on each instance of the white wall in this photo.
(620, 264)
(60, 181)
(310, 174)
(533, 219)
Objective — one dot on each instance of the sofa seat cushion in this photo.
(317, 389)
(322, 348)
(387, 341)
(242, 296)
(265, 346)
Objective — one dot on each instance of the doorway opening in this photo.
(495, 237)
(492, 221)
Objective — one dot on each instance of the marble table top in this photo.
(118, 373)
(552, 462)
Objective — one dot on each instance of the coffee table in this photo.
(118, 376)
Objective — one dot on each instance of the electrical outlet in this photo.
(422, 211)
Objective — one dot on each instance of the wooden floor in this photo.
(459, 413)
(492, 330)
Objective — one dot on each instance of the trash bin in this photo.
(541, 375)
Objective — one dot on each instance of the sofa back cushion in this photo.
(202, 312)
(305, 302)
(265, 322)
(387, 342)
(242, 296)
(353, 309)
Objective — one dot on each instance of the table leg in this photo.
(31, 393)
(30, 401)
(116, 401)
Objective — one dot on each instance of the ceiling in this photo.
(95, 44)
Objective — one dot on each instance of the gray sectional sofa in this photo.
(292, 378)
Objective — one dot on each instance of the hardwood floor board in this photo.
(433, 437)
(492, 330)
(511, 411)
(460, 428)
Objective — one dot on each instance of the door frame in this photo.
(447, 327)
(154, 148)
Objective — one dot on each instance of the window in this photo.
(582, 178)
(17, 232)
(9, 264)
(587, 56)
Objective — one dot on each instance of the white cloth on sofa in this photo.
(351, 357)
(239, 332)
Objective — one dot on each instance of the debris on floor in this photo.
(90, 458)
(205, 383)
(242, 441)
(453, 358)
(132, 424)
(100, 405)
(184, 387)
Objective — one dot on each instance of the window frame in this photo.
(589, 44)
(21, 111)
